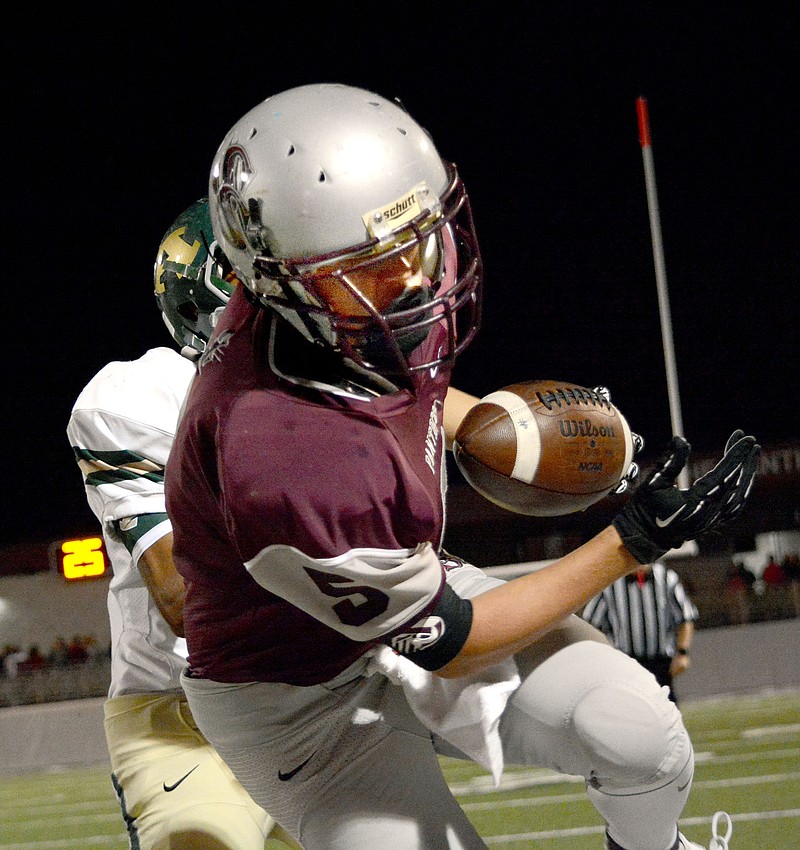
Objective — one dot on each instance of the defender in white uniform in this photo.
(173, 788)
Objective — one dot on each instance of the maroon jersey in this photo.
(298, 512)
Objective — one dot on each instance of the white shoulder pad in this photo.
(122, 428)
(133, 405)
(364, 594)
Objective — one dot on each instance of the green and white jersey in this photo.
(121, 432)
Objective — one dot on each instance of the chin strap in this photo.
(190, 353)
(295, 359)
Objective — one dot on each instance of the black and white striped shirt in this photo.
(642, 619)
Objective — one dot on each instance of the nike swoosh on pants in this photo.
(172, 787)
(285, 777)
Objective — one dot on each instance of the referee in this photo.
(649, 616)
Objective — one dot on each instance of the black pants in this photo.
(659, 667)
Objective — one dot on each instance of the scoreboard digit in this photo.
(82, 558)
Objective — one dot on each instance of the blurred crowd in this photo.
(775, 591)
(16, 661)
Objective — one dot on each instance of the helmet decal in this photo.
(192, 279)
(173, 246)
(228, 184)
(384, 220)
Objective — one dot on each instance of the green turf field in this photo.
(748, 762)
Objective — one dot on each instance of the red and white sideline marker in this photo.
(661, 275)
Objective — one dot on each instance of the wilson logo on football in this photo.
(573, 428)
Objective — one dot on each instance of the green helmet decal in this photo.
(192, 278)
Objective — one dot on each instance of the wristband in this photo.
(681, 651)
(438, 637)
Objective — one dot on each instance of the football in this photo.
(544, 448)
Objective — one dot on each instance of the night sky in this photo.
(110, 135)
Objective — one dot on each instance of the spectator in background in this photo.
(779, 599)
(94, 652)
(59, 653)
(7, 649)
(773, 573)
(746, 575)
(34, 662)
(13, 656)
(739, 583)
(649, 616)
(791, 566)
(76, 650)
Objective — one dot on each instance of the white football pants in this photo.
(348, 766)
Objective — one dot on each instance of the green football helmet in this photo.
(193, 279)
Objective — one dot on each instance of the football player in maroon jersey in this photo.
(334, 648)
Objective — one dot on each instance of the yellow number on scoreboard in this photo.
(83, 558)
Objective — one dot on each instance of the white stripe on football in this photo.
(544, 448)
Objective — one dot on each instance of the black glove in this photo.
(638, 444)
(660, 516)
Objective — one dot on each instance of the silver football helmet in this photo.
(336, 211)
